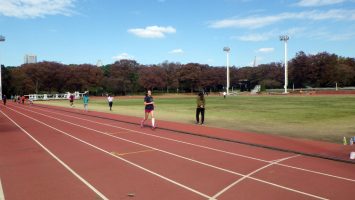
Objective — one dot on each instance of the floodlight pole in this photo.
(285, 38)
(227, 50)
(2, 39)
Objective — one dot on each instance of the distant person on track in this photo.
(23, 99)
(4, 99)
(110, 101)
(71, 100)
(149, 109)
(201, 102)
(31, 100)
(86, 102)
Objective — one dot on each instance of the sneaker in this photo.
(142, 124)
(201, 123)
(196, 122)
(154, 127)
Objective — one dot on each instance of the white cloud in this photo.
(310, 3)
(341, 37)
(176, 51)
(36, 8)
(253, 22)
(255, 37)
(273, 34)
(152, 31)
(323, 34)
(265, 50)
(123, 56)
(249, 22)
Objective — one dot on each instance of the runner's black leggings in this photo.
(198, 111)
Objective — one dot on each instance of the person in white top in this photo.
(110, 101)
(224, 94)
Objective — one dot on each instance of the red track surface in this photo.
(55, 154)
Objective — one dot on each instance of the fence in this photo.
(46, 97)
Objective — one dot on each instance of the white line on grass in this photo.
(127, 161)
(2, 196)
(60, 161)
(209, 148)
(179, 156)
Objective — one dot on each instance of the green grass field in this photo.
(326, 118)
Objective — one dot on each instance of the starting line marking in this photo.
(60, 161)
(133, 152)
(147, 170)
(2, 196)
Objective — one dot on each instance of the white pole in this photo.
(2, 39)
(227, 50)
(285, 38)
(228, 73)
(286, 68)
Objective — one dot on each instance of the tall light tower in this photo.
(285, 38)
(2, 39)
(227, 50)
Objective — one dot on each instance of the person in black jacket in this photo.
(201, 102)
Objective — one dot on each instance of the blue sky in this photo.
(153, 31)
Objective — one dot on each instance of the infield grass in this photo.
(325, 118)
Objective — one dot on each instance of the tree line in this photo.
(128, 77)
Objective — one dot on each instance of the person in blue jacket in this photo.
(86, 102)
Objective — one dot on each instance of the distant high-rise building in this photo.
(30, 58)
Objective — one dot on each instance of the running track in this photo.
(55, 154)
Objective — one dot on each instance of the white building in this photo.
(30, 58)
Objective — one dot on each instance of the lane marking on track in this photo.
(256, 171)
(205, 147)
(2, 196)
(122, 159)
(118, 132)
(97, 192)
(133, 152)
(179, 156)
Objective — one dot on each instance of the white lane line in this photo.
(109, 153)
(2, 196)
(316, 172)
(151, 135)
(258, 170)
(60, 161)
(209, 148)
(179, 156)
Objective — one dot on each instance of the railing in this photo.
(46, 97)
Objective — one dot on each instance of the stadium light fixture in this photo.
(227, 50)
(2, 39)
(285, 38)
